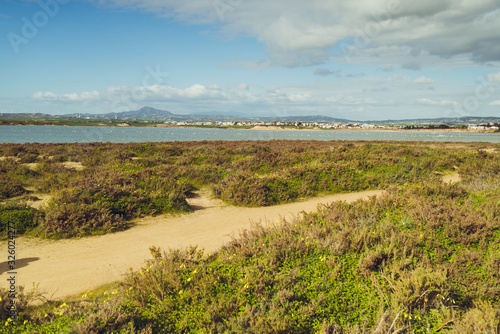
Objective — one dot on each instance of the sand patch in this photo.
(73, 165)
(67, 164)
(31, 165)
(261, 127)
(451, 178)
(40, 203)
(13, 158)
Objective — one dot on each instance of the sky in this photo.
(358, 60)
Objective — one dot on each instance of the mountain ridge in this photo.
(153, 114)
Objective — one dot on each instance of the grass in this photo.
(423, 258)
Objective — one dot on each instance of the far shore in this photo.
(260, 127)
(377, 129)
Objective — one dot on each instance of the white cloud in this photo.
(243, 86)
(495, 103)
(303, 32)
(84, 96)
(213, 97)
(495, 77)
(423, 80)
(134, 93)
(438, 103)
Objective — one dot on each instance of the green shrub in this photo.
(21, 219)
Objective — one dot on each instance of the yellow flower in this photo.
(63, 305)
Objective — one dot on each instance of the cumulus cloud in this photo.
(156, 92)
(304, 32)
(495, 77)
(84, 96)
(243, 86)
(438, 103)
(423, 80)
(214, 97)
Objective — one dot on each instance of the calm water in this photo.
(84, 134)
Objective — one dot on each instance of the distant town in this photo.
(336, 126)
(147, 116)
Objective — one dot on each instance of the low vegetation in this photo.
(423, 258)
(123, 181)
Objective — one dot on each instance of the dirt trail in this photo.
(67, 267)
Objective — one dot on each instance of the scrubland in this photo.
(422, 258)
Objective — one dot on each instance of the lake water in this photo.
(85, 134)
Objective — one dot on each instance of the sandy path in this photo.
(67, 267)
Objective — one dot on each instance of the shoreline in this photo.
(262, 127)
(368, 129)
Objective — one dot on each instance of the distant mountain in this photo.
(143, 114)
(152, 114)
(26, 116)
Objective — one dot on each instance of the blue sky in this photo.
(361, 60)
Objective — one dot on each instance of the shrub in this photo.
(11, 188)
(27, 157)
(76, 220)
(20, 218)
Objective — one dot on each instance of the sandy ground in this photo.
(74, 165)
(67, 164)
(451, 178)
(40, 203)
(262, 127)
(68, 267)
